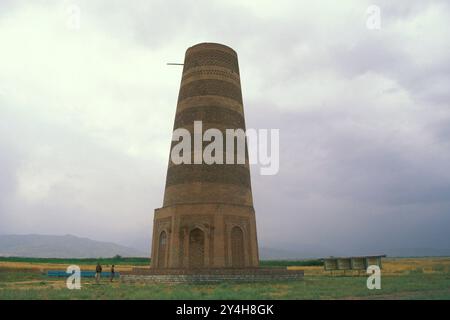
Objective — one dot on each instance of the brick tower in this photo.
(207, 219)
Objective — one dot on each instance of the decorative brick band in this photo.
(222, 156)
(210, 72)
(200, 193)
(215, 173)
(206, 125)
(211, 45)
(199, 101)
(210, 57)
(210, 87)
(210, 114)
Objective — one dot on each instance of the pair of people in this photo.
(98, 273)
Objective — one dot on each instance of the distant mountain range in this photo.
(417, 252)
(299, 252)
(69, 246)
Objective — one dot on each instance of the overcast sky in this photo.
(364, 116)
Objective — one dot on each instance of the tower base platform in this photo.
(211, 275)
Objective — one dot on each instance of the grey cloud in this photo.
(360, 170)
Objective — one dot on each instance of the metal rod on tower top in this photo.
(175, 64)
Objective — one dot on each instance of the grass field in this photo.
(402, 278)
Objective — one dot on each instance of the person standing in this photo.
(112, 272)
(98, 272)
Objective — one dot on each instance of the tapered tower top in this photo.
(210, 92)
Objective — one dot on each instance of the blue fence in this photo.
(84, 274)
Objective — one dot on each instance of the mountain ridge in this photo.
(62, 246)
(70, 246)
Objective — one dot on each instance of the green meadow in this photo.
(411, 278)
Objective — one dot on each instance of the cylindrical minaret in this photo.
(207, 219)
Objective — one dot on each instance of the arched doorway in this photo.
(196, 248)
(162, 250)
(237, 248)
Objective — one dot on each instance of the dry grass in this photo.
(393, 266)
(43, 267)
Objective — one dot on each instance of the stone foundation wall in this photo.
(210, 275)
